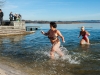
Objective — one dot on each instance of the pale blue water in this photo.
(31, 52)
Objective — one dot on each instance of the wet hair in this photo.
(53, 24)
(82, 27)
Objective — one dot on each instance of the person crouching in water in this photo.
(84, 34)
(53, 34)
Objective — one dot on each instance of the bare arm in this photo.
(45, 33)
(87, 33)
(59, 33)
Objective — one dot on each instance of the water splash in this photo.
(67, 57)
(94, 43)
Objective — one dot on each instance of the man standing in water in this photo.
(1, 17)
(53, 34)
(84, 34)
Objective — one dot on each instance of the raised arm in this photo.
(45, 33)
(59, 34)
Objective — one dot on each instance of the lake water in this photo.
(30, 53)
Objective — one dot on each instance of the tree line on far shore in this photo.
(61, 22)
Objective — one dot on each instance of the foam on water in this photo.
(95, 44)
(67, 57)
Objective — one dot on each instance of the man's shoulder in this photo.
(1, 12)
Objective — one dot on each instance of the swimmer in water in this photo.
(53, 34)
(84, 34)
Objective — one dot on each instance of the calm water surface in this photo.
(30, 53)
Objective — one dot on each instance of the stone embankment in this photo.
(15, 28)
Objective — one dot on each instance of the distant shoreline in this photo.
(59, 22)
(56, 22)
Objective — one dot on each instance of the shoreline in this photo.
(10, 67)
(7, 70)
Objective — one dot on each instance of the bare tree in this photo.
(2, 2)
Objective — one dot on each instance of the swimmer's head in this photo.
(82, 28)
(53, 24)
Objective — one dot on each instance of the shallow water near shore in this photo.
(30, 53)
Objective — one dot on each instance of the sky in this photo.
(53, 10)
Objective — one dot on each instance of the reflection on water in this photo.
(30, 54)
(9, 39)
